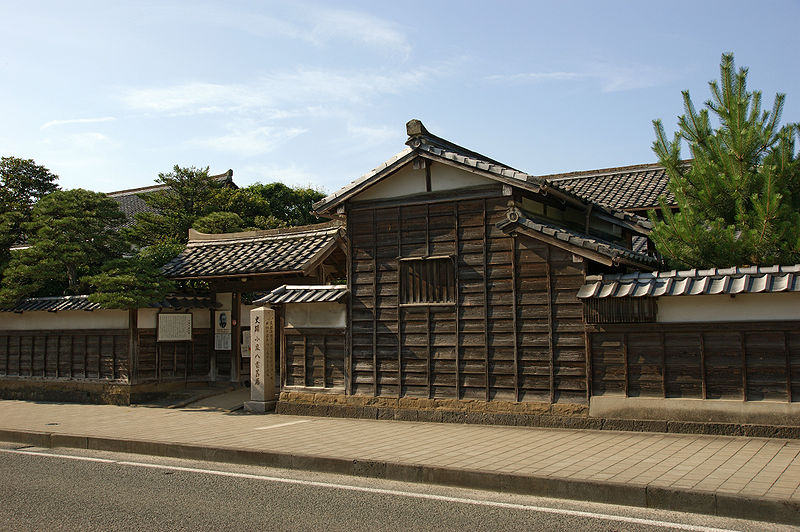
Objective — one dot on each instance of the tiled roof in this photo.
(304, 294)
(131, 203)
(625, 188)
(422, 142)
(63, 303)
(615, 254)
(53, 304)
(751, 280)
(274, 251)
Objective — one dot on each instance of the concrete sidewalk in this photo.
(753, 478)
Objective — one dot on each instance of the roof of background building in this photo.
(636, 187)
(304, 294)
(273, 251)
(81, 302)
(421, 141)
(579, 243)
(750, 280)
(131, 203)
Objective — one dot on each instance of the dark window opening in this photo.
(620, 310)
(427, 280)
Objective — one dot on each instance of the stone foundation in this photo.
(567, 416)
(85, 391)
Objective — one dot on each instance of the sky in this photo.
(107, 95)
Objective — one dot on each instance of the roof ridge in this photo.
(197, 238)
(153, 188)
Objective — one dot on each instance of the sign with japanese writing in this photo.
(262, 354)
(174, 327)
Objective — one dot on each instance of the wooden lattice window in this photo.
(620, 310)
(427, 280)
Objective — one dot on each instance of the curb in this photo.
(641, 495)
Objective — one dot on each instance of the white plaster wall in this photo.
(147, 318)
(65, 320)
(743, 307)
(444, 177)
(244, 315)
(404, 182)
(201, 318)
(226, 299)
(332, 315)
(407, 181)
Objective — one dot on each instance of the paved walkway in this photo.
(756, 478)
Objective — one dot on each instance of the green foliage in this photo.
(70, 235)
(739, 200)
(266, 206)
(135, 282)
(193, 199)
(190, 193)
(219, 222)
(22, 184)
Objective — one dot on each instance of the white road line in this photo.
(380, 491)
(282, 424)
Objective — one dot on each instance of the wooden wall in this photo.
(313, 357)
(84, 354)
(164, 361)
(743, 360)
(515, 333)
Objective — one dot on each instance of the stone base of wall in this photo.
(85, 391)
(568, 416)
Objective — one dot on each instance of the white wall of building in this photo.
(408, 181)
(64, 320)
(718, 308)
(332, 315)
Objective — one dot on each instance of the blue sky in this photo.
(109, 94)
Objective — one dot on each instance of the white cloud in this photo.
(359, 27)
(608, 76)
(77, 121)
(289, 93)
(248, 141)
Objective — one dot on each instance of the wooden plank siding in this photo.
(170, 361)
(101, 355)
(745, 360)
(313, 358)
(494, 342)
(84, 354)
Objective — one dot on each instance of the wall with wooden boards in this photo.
(514, 333)
(749, 361)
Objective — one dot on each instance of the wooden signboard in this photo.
(174, 327)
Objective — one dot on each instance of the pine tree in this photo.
(739, 198)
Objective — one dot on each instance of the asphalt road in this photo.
(68, 489)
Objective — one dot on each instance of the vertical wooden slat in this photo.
(282, 356)
(743, 349)
(486, 302)
(401, 285)
(348, 351)
(305, 358)
(428, 344)
(58, 355)
(85, 356)
(324, 361)
(8, 354)
(457, 308)
(99, 356)
(374, 303)
(44, 356)
(625, 361)
(663, 365)
(514, 319)
(788, 366)
(114, 357)
(72, 356)
(550, 338)
(703, 380)
(587, 341)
